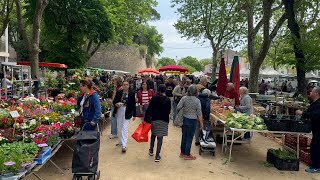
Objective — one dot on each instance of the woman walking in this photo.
(144, 95)
(191, 110)
(89, 106)
(158, 115)
(117, 81)
(124, 110)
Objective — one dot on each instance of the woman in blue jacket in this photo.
(89, 105)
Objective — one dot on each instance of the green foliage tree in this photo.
(193, 62)
(219, 22)
(190, 68)
(127, 15)
(165, 61)
(262, 16)
(6, 7)
(206, 61)
(36, 9)
(74, 30)
(149, 36)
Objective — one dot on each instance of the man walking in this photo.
(313, 113)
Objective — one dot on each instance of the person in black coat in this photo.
(158, 115)
(204, 98)
(313, 113)
(124, 103)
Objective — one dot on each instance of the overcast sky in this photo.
(174, 45)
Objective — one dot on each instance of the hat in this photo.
(206, 91)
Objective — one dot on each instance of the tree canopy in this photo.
(189, 61)
(165, 61)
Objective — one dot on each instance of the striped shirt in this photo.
(145, 97)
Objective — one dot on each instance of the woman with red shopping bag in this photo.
(158, 115)
(144, 95)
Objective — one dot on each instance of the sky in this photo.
(174, 45)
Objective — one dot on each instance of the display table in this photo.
(235, 138)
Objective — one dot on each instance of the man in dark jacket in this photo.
(313, 113)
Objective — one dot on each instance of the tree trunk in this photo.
(34, 46)
(254, 73)
(214, 63)
(300, 58)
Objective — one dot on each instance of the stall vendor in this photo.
(313, 113)
(231, 93)
(245, 106)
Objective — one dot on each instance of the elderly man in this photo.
(231, 93)
(313, 113)
(202, 84)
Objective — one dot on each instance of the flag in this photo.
(235, 73)
(223, 80)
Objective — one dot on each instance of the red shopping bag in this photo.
(141, 133)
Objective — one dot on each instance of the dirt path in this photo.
(248, 162)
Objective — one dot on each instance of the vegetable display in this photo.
(242, 121)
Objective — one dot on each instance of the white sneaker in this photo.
(112, 136)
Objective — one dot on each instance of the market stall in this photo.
(173, 69)
(239, 128)
(149, 71)
(31, 132)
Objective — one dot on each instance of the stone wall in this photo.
(118, 57)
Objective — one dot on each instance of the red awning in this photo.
(173, 68)
(44, 64)
(148, 70)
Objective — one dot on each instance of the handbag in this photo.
(138, 110)
(141, 133)
(179, 119)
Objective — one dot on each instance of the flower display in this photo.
(26, 125)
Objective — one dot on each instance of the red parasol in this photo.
(148, 70)
(44, 64)
(235, 73)
(223, 80)
(173, 68)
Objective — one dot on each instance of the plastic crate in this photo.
(304, 156)
(286, 165)
(291, 141)
(301, 126)
(278, 124)
(43, 156)
(271, 158)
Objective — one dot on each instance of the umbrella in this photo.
(148, 70)
(235, 73)
(173, 68)
(223, 80)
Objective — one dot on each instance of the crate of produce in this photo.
(278, 123)
(301, 125)
(43, 156)
(305, 157)
(271, 158)
(286, 165)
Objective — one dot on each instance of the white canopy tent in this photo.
(270, 72)
(198, 74)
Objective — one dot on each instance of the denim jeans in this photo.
(188, 130)
(159, 144)
(144, 109)
(174, 110)
(113, 124)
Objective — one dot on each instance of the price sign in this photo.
(14, 114)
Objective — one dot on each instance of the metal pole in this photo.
(7, 44)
